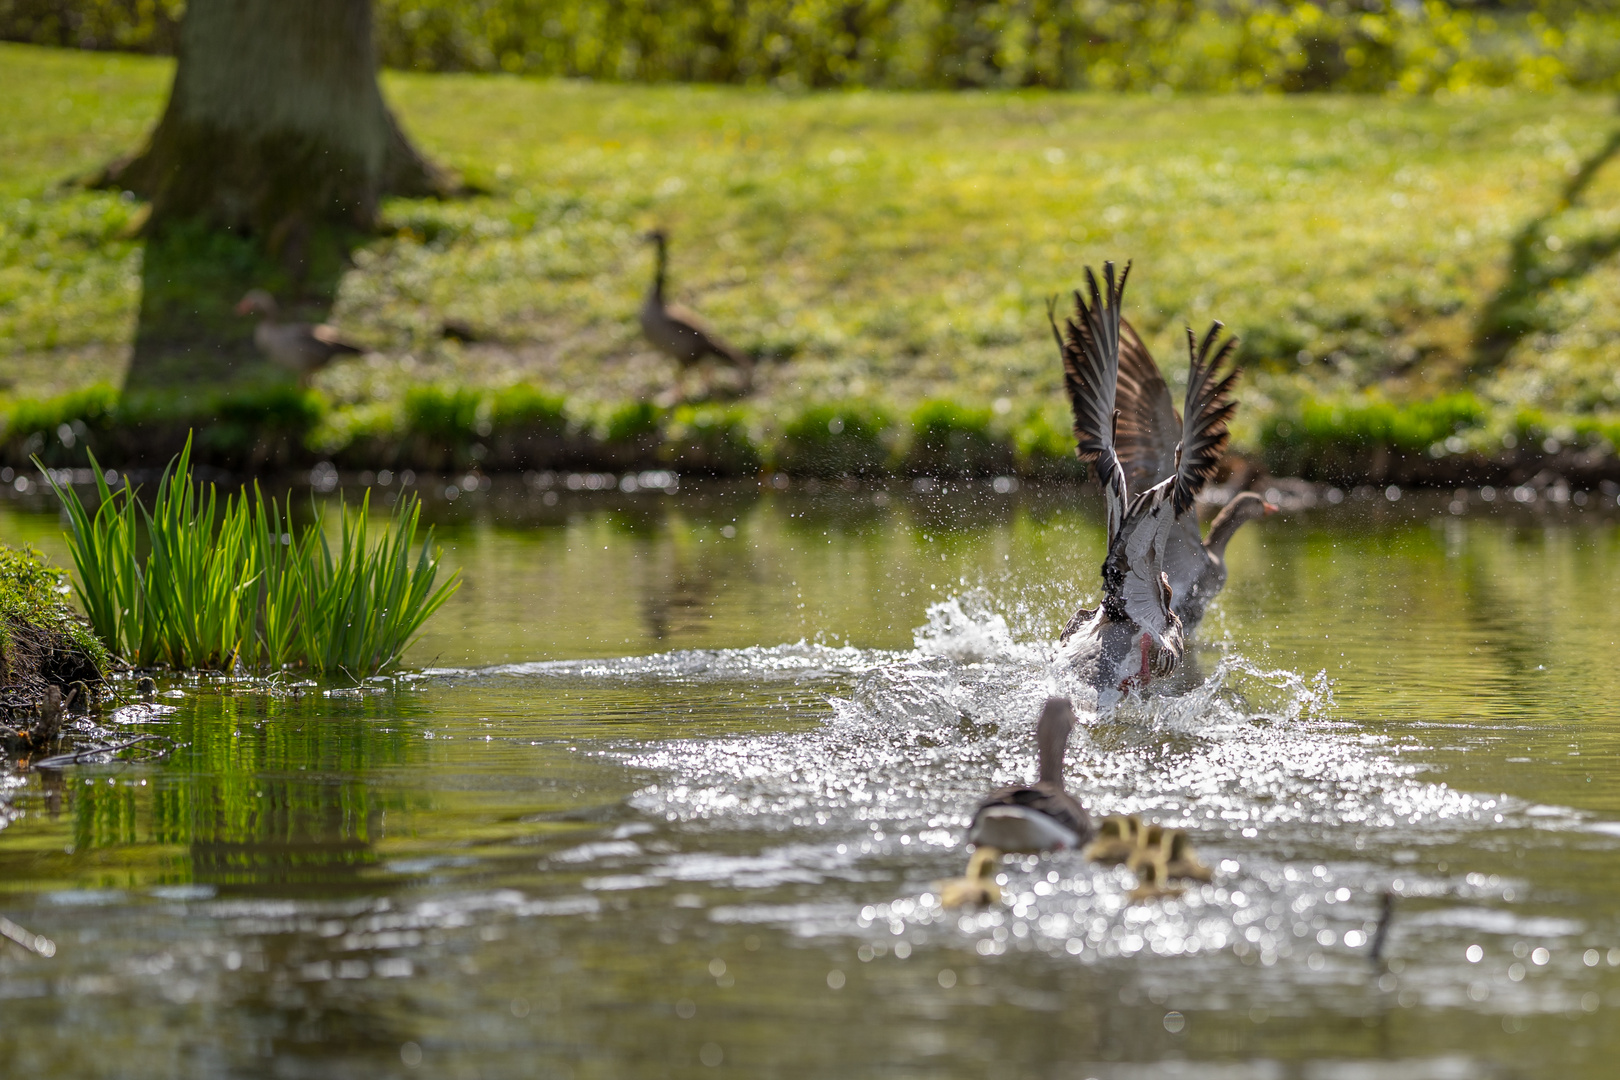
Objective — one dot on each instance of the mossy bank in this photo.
(43, 641)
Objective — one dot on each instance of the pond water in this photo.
(673, 779)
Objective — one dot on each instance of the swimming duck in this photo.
(1136, 617)
(679, 333)
(1146, 440)
(1039, 817)
(301, 348)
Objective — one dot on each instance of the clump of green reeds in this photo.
(196, 582)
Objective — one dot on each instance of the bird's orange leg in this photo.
(1141, 678)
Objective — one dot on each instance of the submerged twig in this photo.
(58, 760)
(34, 943)
(1376, 952)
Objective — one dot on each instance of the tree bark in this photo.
(266, 168)
(275, 124)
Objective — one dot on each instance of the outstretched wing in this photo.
(1089, 346)
(1205, 414)
(1145, 437)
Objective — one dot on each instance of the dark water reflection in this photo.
(541, 858)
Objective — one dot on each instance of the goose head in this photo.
(257, 302)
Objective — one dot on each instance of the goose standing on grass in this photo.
(1145, 438)
(301, 348)
(681, 334)
(1025, 819)
(1135, 618)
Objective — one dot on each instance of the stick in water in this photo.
(35, 943)
(1376, 953)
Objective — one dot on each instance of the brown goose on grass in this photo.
(1136, 616)
(1146, 437)
(1026, 818)
(681, 334)
(301, 348)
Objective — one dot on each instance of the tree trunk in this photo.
(267, 166)
(275, 124)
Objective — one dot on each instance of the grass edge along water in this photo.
(232, 585)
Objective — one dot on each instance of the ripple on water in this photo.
(1250, 759)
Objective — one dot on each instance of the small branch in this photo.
(59, 760)
(34, 943)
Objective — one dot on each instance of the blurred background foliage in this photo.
(1207, 45)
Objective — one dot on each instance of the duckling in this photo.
(1180, 859)
(1173, 850)
(976, 888)
(146, 687)
(1118, 838)
(1152, 881)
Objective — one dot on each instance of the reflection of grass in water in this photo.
(192, 583)
(262, 789)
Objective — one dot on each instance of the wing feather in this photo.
(1089, 347)
(1205, 414)
(1149, 425)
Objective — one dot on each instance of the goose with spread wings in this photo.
(1134, 635)
(1145, 437)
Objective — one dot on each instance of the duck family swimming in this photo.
(1158, 572)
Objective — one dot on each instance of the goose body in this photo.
(1135, 635)
(679, 333)
(1038, 817)
(301, 348)
(1041, 816)
(1146, 437)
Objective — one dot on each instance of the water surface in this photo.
(672, 781)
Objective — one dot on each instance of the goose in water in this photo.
(301, 348)
(681, 334)
(1134, 635)
(1145, 438)
(1038, 817)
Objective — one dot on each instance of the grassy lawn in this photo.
(892, 246)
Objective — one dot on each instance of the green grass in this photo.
(888, 247)
(196, 582)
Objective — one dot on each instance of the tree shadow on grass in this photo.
(189, 341)
(1534, 269)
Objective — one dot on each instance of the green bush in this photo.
(1321, 426)
(948, 439)
(836, 439)
(527, 406)
(1044, 446)
(1290, 45)
(713, 439)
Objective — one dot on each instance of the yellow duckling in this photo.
(1173, 850)
(1180, 860)
(976, 888)
(1118, 838)
(1152, 880)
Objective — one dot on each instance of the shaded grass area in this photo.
(885, 250)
